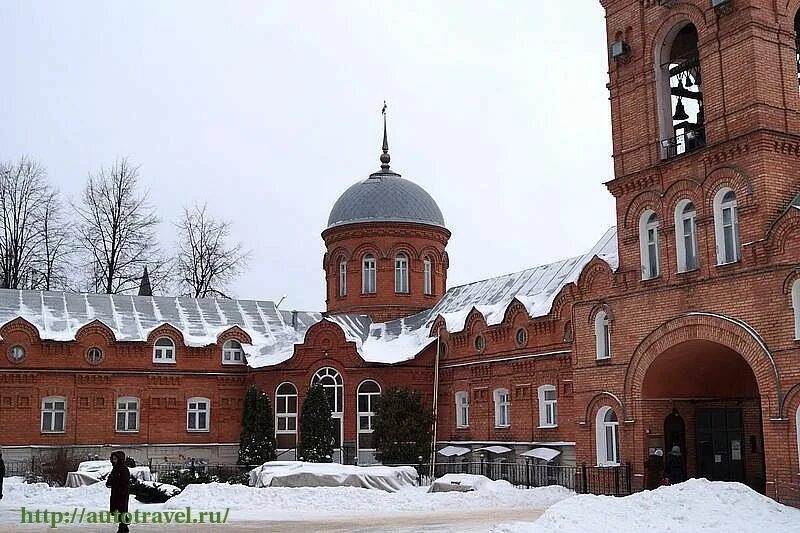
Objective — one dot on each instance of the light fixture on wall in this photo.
(619, 49)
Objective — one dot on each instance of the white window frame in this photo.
(648, 245)
(401, 273)
(369, 276)
(427, 276)
(53, 411)
(548, 408)
(502, 408)
(602, 428)
(125, 410)
(232, 353)
(796, 306)
(342, 277)
(602, 334)
(197, 411)
(462, 409)
(285, 415)
(797, 431)
(163, 353)
(323, 376)
(369, 414)
(725, 256)
(684, 239)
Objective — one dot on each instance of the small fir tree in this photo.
(257, 439)
(403, 427)
(316, 427)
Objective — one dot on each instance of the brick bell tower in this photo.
(704, 106)
(385, 245)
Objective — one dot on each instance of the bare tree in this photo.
(116, 231)
(206, 261)
(34, 235)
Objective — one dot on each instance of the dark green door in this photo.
(720, 444)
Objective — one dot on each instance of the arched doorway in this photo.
(703, 398)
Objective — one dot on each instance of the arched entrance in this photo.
(701, 399)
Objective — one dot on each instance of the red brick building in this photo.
(681, 327)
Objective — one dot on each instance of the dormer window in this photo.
(164, 350)
(368, 275)
(232, 353)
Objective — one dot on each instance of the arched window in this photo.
(368, 393)
(427, 276)
(232, 353)
(548, 406)
(368, 274)
(607, 437)
(602, 334)
(331, 381)
(164, 350)
(680, 94)
(462, 409)
(197, 414)
(796, 306)
(127, 414)
(54, 414)
(401, 273)
(686, 235)
(286, 416)
(726, 226)
(342, 277)
(797, 430)
(648, 244)
(797, 42)
(502, 408)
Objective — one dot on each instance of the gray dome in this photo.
(385, 197)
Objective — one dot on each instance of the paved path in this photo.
(451, 521)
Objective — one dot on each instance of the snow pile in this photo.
(695, 505)
(468, 482)
(300, 474)
(165, 488)
(17, 494)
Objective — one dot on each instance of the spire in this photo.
(385, 158)
(144, 286)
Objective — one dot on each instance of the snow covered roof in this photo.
(536, 288)
(59, 315)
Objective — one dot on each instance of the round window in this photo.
(480, 343)
(94, 355)
(16, 353)
(522, 337)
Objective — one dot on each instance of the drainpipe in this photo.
(435, 399)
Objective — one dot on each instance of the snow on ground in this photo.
(695, 505)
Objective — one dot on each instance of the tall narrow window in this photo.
(368, 274)
(331, 381)
(342, 277)
(197, 413)
(796, 306)
(232, 353)
(368, 393)
(548, 406)
(686, 235)
(54, 414)
(427, 276)
(164, 350)
(797, 42)
(607, 437)
(401, 273)
(680, 93)
(797, 429)
(726, 226)
(648, 239)
(502, 408)
(462, 409)
(127, 414)
(602, 333)
(286, 416)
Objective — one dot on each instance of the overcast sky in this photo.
(267, 111)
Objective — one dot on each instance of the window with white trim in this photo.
(548, 406)
(331, 381)
(462, 409)
(602, 334)
(648, 244)
(368, 394)
(232, 353)
(401, 273)
(197, 414)
(796, 306)
(502, 408)
(607, 436)
(427, 276)
(797, 429)
(686, 235)
(726, 226)
(54, 414)
(368, 280)
(127, 414)
(164, 350)
(342, 277)
(286, 416)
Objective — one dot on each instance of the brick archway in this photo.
(729, 332)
